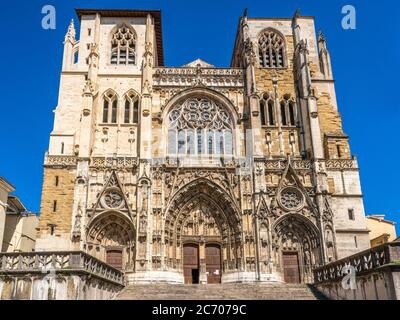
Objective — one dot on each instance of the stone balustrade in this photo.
(376, 271)
(57, 275)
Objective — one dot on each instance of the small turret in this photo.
(324, 57)
(69, 43)
(71, 33)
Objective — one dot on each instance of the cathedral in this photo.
(197, 173)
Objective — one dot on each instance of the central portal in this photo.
(202, 261)
(203, 238)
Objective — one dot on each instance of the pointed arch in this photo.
(200, 121)
(288, 111)
(203, 185)
(123, 45)
(203, 212)
(112, 231)
(110, 106)
(295, 234)
(111, 227)
(267, 110)
(272, 49)
(202, 92)
(131, 107)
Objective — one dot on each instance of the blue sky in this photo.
(366, 73)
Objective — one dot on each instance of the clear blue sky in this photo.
(367, 75)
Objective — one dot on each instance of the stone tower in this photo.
(199, 174)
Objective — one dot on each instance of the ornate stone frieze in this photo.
(341, 164)
(60, 161)
(117, 162)
(187, 77)
(281, 164)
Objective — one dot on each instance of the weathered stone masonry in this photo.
(198, 173)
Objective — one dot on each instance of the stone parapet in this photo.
(69, 275)
(376, 272)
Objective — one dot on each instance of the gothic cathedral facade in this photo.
(200, 174)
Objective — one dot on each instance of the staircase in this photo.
(232, 291)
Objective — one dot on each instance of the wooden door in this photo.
(114, 258)
(213, 263)
(191, 263)
(291, 270)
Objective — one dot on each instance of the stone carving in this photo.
(291, 198)
(60, 161)
(340, 164)
(199, 113)
(113, 199)
(187, 77)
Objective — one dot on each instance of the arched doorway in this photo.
(296, 248)
(202, 233)
(111, 238)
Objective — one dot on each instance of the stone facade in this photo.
(198, 173)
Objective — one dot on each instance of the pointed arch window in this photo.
(123, 46)
(200, 126)
(131, 111)
(267, 110)
(110, 108)
(271, 50)
(288, 112)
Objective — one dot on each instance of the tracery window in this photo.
(123, 46)
(131, 111)
(267, 112)
(271, 50)
(199, 126)
(288, 112)
(110, 108)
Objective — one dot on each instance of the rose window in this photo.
(113, 199)
(291, 198)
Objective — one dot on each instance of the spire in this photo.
(71, 32)
(324, 56)
(297, 13)
(321, 41)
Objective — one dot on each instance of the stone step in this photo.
(219, 292)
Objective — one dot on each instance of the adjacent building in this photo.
(200, 174)
(381, 231)
(5, 189)
(18, 226)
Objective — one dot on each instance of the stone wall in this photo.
(56, 215)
